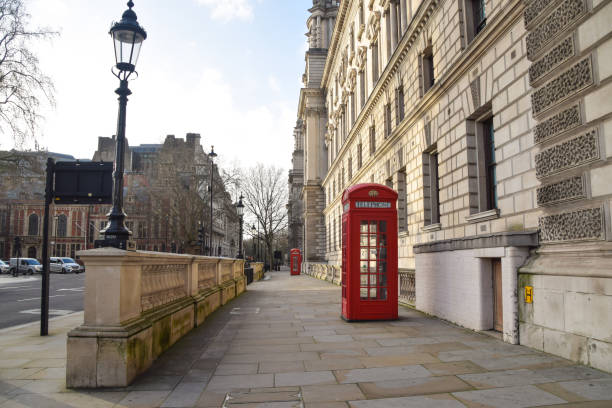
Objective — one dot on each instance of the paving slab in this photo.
(431, 401)
(511, 397)
(381, 373)
(414, 386)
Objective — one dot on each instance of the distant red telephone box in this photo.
(296, 261)
(369, 253)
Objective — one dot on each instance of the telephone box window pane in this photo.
(364, 240)
(372, 254)
(364, 280)
(373, 240)
(382, 253)
(383, 294)
(373, 280)
(373, 227)
(382, 267)
(382, 240)
(364, 254)
(372, 266)
(363, 293)
(364, 266)
(383, 280)
(373, 293)
(383, 226)
(364, 226)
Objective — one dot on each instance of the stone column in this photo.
(514, 258)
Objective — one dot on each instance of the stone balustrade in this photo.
(137, 305)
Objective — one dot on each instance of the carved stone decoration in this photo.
(573, 226)
(162, 284)
(362, 56)
(555, 57)
(578, 77)
(558, 124)
(565, 190)
(533, 10)
(475, 89)
(574, 152)
(374, 26)
(563, 16)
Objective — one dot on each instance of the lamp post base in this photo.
(119, 243)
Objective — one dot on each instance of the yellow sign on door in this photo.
(528, 294)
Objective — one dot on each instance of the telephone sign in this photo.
(369, 253)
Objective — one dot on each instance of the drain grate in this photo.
(244, 311)
(272, 398)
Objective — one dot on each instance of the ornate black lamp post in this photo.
(240, 211)
(128, 37)
(212, 156)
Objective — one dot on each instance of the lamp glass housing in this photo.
(127, 48)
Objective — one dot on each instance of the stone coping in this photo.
(503, 239)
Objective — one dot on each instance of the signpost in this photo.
(70, 183)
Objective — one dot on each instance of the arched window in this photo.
(62, 225)
(33, 225)
(32, 252)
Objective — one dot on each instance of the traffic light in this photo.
(200, 236)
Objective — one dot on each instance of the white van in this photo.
(26, 265)
(63, 265)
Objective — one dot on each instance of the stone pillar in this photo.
(514, 258)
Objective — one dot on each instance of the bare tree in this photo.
(22, 84)
(265, 191)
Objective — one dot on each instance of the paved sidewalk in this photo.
(283, 344)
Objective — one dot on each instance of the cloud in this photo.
(273, 83)
(227, 10)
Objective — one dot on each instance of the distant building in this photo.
(492, 122)
(295, 209)
(166, 195)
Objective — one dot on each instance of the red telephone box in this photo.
(369, 253)
(296, 261)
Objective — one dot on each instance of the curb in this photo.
(36, 323)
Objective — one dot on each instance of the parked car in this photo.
(26, 265)
(4, 267)
(64, 265)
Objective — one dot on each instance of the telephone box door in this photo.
(296, 261)
(369, 253)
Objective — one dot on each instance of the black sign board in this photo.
(83, 183)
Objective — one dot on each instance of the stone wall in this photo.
(570, 53)
(137, 305)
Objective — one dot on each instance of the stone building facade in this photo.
(491, 119)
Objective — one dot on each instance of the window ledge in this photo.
(483, 216)
(432, 227)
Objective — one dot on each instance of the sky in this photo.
(227, 69)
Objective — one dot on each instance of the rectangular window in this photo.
(362, 88)
(359, 155)
(402, 218)
(353, 113)
(487, 175)
(350, 169)
(399, 104)
(361, 14)
(372, 140)
(389, 34)
(431, 188)
(374, 63)
(427, 67)
(475, 18)
(388, 123)
(352, 35)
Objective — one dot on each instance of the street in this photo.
(20, 297)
